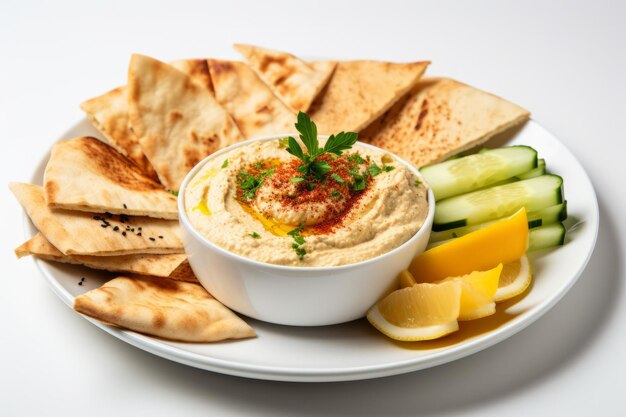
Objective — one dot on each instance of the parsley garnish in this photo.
(418, 182)
(249, 184)
(335, 144)
(174, 193)
(296, 180)
(299, 241)
(374, 169)
(388, 168)
(225, 164)
(337, 178)
(254, 235)
(356, 158)
(335, 194)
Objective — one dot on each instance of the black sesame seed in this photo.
(80, 283)
(152, 239)
(104, 225)
(139, 234)
(109, 215)
(125, 206)
(160, 237)
(123, 233)
(116, 228)
(139, 228)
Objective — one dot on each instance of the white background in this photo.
(565, 61)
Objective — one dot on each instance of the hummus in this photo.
(257, 201)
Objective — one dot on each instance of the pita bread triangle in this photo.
(173, 266)
(360, 91)
(164, 308)
(292, 80)
(440, 118)
(82, 233)
(197, 70)
(256, 110)
(177, 121)
(88, 175)
(109, 114)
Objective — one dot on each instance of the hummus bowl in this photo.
(286, 291)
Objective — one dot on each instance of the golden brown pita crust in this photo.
(82, 233)
(256, 110)
(173, 266)
(197, 69)
(164, 308)
(360, 91)
(440, 118)
(88, 175)
(292, 80)
(177, 121)
(109, 114)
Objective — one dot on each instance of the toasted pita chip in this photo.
(177, 121)
(440, 118)
(197, 69)
(360, 91)
(88, 175)
(256, 110)
(164, 308)
(82, 233)
(292, 80)
(109, 114)
(173, 266)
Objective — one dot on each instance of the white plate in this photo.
(355, 350)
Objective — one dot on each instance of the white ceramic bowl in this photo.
(299, 296)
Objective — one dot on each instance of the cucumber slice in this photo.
(546, 237)
(472, 172)
(540, 170)
(546, 216)
(497, 202)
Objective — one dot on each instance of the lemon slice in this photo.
(478, 291)
(515, 278)
(420, 312)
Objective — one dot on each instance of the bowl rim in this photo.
(184, 220)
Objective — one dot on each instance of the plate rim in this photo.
(294, 374)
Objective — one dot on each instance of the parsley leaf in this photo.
(335, 194)
(341, 142)
(296, 231)
(308, 133)
(356, 158)
(294, 148)
(174, 193)
(225, 164)
(388, 168)
(337, 178)
(418, 182)
(254, 235)
(299, 239)
(296, 180)
(374, 169)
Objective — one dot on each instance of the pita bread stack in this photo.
(164, 308)
(256, 110)
(441, 118)
(360, 91)
(293, 81)
(177, 121)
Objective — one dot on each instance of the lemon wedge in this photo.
(478, 291)
(515, 278)
(419, 312)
